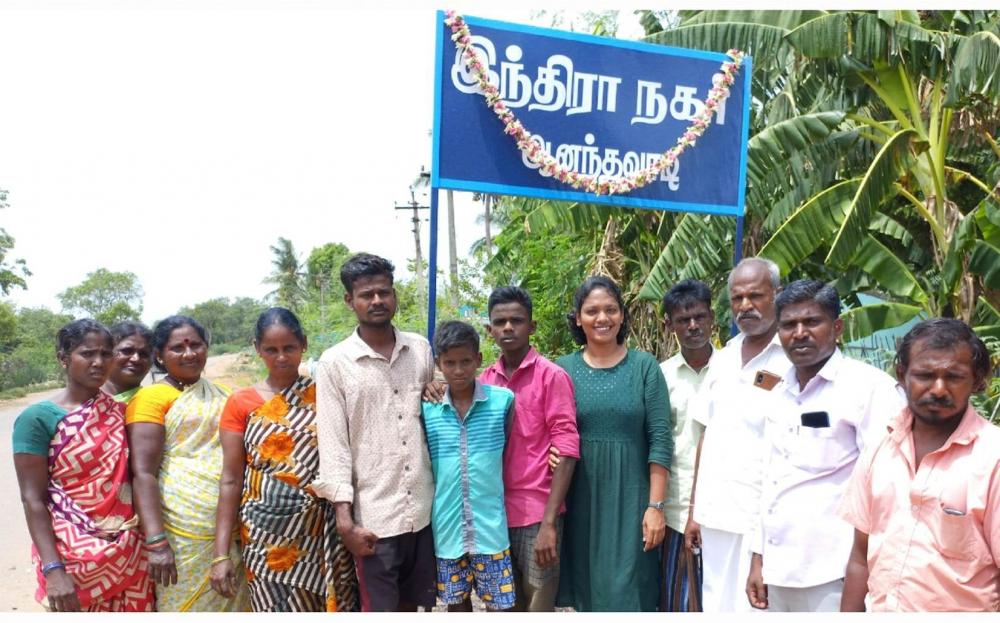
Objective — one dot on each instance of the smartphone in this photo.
(816, 419)
(766, 380)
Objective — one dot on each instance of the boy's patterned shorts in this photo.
(492, 574)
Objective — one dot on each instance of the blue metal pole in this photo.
(432, 268)
(738, 249)
(737, 256)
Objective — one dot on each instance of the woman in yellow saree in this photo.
(173, 430)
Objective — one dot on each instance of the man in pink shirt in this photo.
(544, 416)
(925, 504)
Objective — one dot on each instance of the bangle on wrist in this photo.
(159, 544)
(52, 566)
(219, 559)
(156, 538)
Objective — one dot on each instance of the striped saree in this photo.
(90, 502)
(295, 561)
(189, 489)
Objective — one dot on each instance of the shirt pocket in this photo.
(527, 425)
(954, 535)
(817, 449)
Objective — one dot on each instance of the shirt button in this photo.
(407, 468)
(399, 416)
(404, 442)
(395, 391)
(407, 492)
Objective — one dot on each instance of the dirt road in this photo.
(18, 588)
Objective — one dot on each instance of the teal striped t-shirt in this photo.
(468, 515)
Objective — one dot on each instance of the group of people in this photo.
(774, 473)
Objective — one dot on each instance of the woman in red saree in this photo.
(71, 458)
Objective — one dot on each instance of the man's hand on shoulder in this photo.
(434, 391)
(553, 458)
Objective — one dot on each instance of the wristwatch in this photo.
(657, 505)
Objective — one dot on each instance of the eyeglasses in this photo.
(129, 352)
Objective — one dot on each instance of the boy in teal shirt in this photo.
(466, 434)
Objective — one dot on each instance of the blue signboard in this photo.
(600, 106)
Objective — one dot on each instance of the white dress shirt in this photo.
(802, 539)
(732, 408)
(682, 383)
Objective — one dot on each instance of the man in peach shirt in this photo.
(925, 503)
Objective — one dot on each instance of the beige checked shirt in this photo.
(372, 448)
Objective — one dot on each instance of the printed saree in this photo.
(295, 560)
(90, 502)
(189, 489)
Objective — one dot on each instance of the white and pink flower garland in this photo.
(549, 165)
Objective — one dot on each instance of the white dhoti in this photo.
(725, 558)
(822, 598)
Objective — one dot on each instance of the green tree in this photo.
(31, 357)
(106, 296)
(12, 274)
(324, 263)
(8, 328)
(286, 275)
(228, 323)
(323, 288)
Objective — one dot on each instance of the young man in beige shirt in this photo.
(374, 464)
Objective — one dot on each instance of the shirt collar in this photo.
(360, 349)
(529, 360)
(736, 344)
(828, 372)
(968, 429)
(478, 395)
(678, 361)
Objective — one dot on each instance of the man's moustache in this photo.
(936, 402)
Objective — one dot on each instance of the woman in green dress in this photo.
(614, 520)
(131, 360)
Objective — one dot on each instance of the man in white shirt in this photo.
(731, 404)
(687, 309)
(830, 408)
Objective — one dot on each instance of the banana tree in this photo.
(874, 160)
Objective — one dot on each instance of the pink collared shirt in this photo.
(544, 415)
(933, 532)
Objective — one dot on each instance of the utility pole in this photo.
(414, 205)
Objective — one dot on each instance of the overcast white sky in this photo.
(179, 140)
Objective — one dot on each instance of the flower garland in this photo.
(549, 165)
